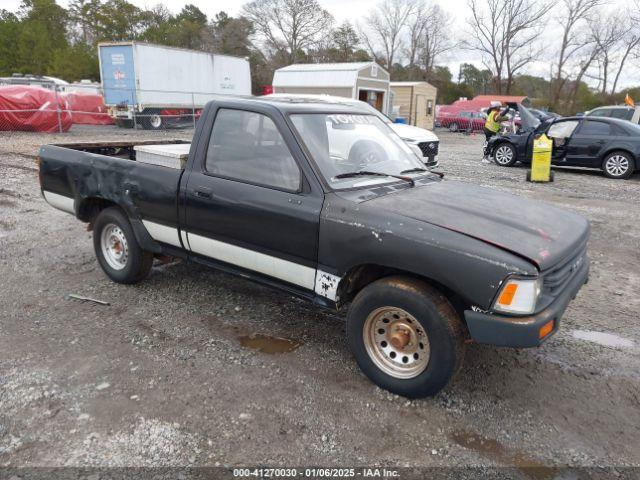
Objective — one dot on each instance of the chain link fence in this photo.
(59, 108)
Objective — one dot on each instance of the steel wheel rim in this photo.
(617, 165)
(504, 155)
(155, 121)
(115, 248)
(396, 342)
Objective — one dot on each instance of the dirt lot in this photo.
(171, 373)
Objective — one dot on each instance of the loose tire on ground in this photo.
(618, 165)
(117, 249)
(396, 323)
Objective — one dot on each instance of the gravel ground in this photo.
(176, 371)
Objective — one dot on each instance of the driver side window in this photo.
(247, 146)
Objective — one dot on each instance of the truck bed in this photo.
(75, 176)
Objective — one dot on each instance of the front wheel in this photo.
(117, 249)
(618, 165)
(406, 337)
(453, 127)
(505, 155)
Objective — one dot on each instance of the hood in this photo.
(528, 120)
(413, 134)
(534, 230)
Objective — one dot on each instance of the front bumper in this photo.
(507, 331)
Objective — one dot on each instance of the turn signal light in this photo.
(546, 329)
(518, 295)
(506, 297)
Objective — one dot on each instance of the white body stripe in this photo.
(259, 262)
(60, 202)
(162, 233)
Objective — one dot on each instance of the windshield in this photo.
(343, 144)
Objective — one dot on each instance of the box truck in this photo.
(153, 85)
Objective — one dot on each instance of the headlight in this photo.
(518, 296)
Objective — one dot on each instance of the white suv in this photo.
(623, 112)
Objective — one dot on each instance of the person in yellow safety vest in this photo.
(492, 125)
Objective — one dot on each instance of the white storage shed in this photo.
(366, 81)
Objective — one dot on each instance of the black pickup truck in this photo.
(325, 202)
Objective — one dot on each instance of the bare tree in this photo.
(384, 28)
(415, 25)
(630, 42)
(577, 14)
(288, 26)
(505, 32)
(436, 38)
(606, 34)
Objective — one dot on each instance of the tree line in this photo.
(413, 39)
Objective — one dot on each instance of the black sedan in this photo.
(608, 144)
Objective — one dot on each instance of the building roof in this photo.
(410, 84)
(320, 74)
(316, 67)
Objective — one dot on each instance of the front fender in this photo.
(354, 234)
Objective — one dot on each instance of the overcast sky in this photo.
(354, 10)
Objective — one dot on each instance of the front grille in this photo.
(555, 279)
(429, 149)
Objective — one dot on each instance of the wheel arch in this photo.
(360, 276)
(89, 208)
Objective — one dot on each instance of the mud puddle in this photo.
(493, 449)
(268, 344)
(603, 338)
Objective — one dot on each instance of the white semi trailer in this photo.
(153, 85)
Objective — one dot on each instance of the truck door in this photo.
(587, 142)
(248, 201)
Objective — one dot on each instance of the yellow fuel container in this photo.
(541, 160)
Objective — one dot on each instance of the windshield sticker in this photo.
(339, 119)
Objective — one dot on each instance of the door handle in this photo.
(203, 192)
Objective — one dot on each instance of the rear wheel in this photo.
(453, 127)
(152, 119)
(505, 155)
(406, 337)
(618, 165)
(117, 249)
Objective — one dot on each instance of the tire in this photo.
(453, 127)
(505, 155)
(117, 249)
(377, 317)
(618, 165)
(152, 120)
